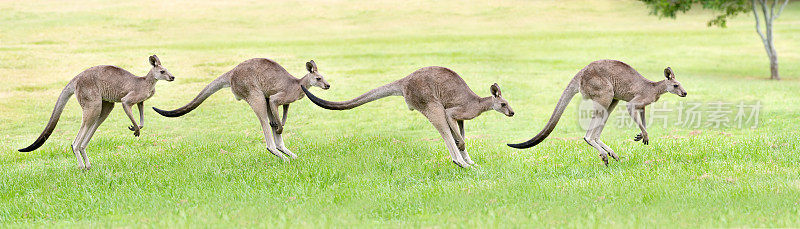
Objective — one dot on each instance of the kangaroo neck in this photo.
(305, 82)
(660, 87)
(484, 104)
(148, 81)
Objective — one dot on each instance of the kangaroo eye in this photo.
(676, 86)
(503, 104)
(162, 71)
(318, 78)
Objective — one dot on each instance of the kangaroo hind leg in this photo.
(600, 130)
(636, 111)
(464, 153)
(259, 105)
(455, 130)
(106, 109)
(436, 115)
(595, 127)
(279, 139)
(91, 112)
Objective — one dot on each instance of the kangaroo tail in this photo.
(572, 89)
(66, 93)
(219, 83)
(375, 94)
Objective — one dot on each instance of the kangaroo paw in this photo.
(638, 137)
(604, 157)
(277, 126)
(461, 145)
(645, 140)
(135, 130)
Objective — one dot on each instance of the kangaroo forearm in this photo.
(285, 113)
(127, 108)
(454, 128)
(640, 120)
(644, 120)
(273, 110)
(140, 105)
(461, 127)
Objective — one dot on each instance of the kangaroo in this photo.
(97, 89)
(606, 82)
(265, 85)
(442, 96)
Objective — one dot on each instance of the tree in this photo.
(730, 8)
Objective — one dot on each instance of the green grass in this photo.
(380, 164)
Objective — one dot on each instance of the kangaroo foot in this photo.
(278, 154)
(461, 164)
(469, 161)
(465, 155)
(288, 152)
(611, 153)
(614, 155)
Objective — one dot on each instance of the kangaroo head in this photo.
(673, 86)
(159, 72)
(499, 103)
(314, 78)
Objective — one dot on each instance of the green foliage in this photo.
(726, 8)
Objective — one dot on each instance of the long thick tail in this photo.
(572, 89)
(374, 94)
(66, 93)
(219, 83)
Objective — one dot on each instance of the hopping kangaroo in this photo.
(442, 96)
(606, 82)
(265, 85)
(97, 89)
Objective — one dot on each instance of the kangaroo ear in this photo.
(154, 61)
(495, 90)
(311, 66)
(668, 73)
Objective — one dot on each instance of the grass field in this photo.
(380, 164)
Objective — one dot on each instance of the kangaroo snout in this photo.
(511, 114)
(684, 94)
(171, 78)
(326, 87)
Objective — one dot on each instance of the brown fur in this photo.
(265, 85)
(442, 96)
(606, 82)
(97, 89)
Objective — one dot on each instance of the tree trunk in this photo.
(769, 16)
(773, 56)
(773, 65)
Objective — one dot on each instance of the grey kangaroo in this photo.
(97, 89)
(265, 85)
(442, 96)
(606, 82)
